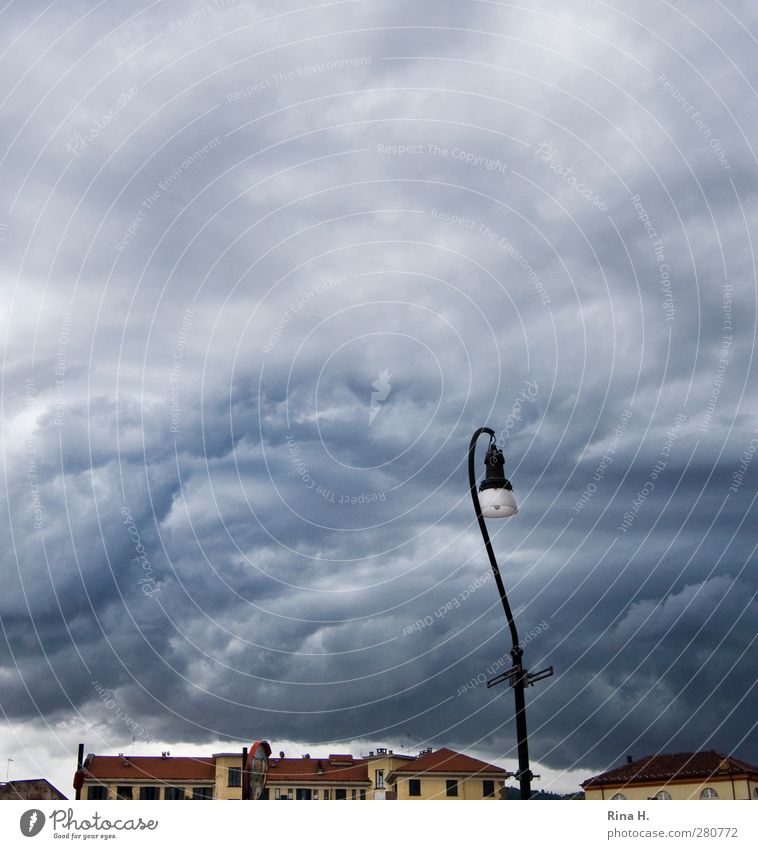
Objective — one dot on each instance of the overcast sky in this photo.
(265, 268)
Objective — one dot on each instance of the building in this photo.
(151, 778)
(32, 789)
(380, 765)
(688, 775)
(335, 777)
(380, 775)
(445, 774)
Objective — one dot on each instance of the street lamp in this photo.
(495, 500)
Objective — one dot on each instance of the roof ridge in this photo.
(673, 765)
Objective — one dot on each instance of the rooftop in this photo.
(20, 788)
(107, 767)
(342, 768)
(682, 766)
(448, 761)
(336, 768)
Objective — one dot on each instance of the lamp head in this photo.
(496, 499)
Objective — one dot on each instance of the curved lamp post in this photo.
(495, 500)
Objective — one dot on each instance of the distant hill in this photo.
(513, 793)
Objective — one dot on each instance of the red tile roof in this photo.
(314, 770)
(446, 760)
(683, 765)
(105, 767)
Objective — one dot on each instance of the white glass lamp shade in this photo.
(497, 503)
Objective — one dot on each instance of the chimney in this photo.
(164, 755)
(629, 759)
(281, 755)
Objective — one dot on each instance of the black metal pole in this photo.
(524, 771)
(243, 773)
(79, 766)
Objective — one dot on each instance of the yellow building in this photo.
(444, 774)
(381, 775)
(688, 775)
(227, 775)
(340, 777)
(380, 765)
(149, 778)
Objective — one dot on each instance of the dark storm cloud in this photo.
(267, 269)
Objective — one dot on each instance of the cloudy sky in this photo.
(266, 266)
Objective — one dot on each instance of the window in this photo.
(379, 779)
(303, 793)
(340, 793)
(363, 794)
(234, 777)
(202, 792)
(618, 797)
(451, 787)
(709, 793)
(124, 792)
(315, 794)
(175, 793)
(353, 794)
(97, 791)
(326, 795)
(488, 789)
(414, 786)
(662, 794)
(755, 792)
(149, 793)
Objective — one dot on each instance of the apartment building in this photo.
(382, 774)
(445, 774)
(684, 775)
